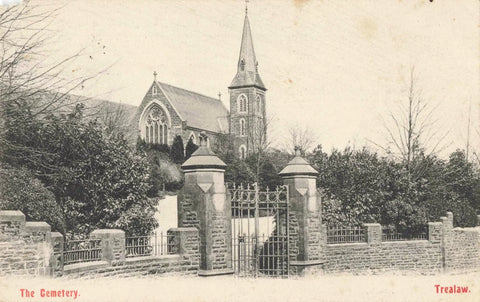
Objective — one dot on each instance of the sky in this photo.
(338, 68)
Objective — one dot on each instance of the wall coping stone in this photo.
(150, 258)
(372, 224)
(56, 234)
(435, 223)
(468, 230)
(9, 215)
(37, 226)
(347, 244)
(406, 242)
(208, 273)
(107, 231)
(84, 266)
(191, 229)
(307, 262)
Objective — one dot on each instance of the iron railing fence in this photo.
(349, 234)
(86, 250)
(391, 234)
(156, 244)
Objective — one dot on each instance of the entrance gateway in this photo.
(260, 231)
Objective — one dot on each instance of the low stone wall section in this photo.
(419, 255)
(24, 246)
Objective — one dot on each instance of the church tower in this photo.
(247, 99)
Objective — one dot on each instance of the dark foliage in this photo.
(190, 148)
(177, 151)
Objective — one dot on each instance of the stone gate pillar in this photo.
(305, 219)
(203, 204)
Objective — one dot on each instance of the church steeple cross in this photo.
(246, 6)
(154, 75)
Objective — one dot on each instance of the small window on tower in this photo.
(242, 152)
(242, 127)
(259, 104)
(242, 103)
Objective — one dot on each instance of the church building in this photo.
(167, 111)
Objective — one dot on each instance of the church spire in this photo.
(247, 68)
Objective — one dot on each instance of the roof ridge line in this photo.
(204, 95)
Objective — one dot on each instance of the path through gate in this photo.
(260, 231)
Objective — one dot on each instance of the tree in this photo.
(177, 151)
(414, 132)
(30, 81)
(97, 181)
(259, 144)
(357, 181)
(302, 137)
(190, 148)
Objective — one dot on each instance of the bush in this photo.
(20, 190)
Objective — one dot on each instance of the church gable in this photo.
(158, 120)
(167, 111)
(197, 110)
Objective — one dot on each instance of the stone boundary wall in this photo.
(31, 249)
(419, 255)
(447, 249)
(461, 247)
(114, 263)
(134, 267)
(25, 247)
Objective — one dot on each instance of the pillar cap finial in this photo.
(298, 166)
(203, 138)
(297, 150)
(203, 157)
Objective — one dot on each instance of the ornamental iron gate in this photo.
(260, 231)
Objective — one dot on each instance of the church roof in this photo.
(199, 111)
(247, 69)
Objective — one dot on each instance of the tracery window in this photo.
(156, 129)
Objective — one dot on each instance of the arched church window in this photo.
(242, 103)
(242, 151)
(242, 127)
(259, 104)
(156, 130)
(154, 90)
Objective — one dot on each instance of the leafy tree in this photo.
(96, 179)
(267, 173)
(359, 186)
(356, 178)
(177, 151)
